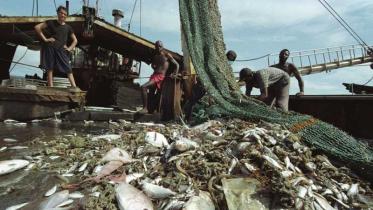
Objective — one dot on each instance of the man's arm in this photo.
(73, 44)
(249, 88)
(296, 73)
(39, 31)
(263, 93)
(172, 60)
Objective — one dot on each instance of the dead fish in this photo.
(30, 166)
(286, 174)
(151, 124)
(184, 144)
(97, 169)
(20, 124)
(108, 137)
(53, 157)
(133, 176)
(9, 121)
(353, 191)
(83, 167)
(107, 169)
(272, 162)
(311, 166)
(35, 121)
(204, 126)
(54, 200)
(18, 206)
(345, 187)
(8, 166)
(67, 175)
(117, 154)
(156, 139)
(88, 122)
(156, 191)
(233, 165)
(288, 164)
(51, 191)
(3, 149)
(130, 198)
(10, 140)
(76, 195)
(95, 194)
(73, 167)
(65, 203)
(201, 202)
(323, 202)
(18, 147)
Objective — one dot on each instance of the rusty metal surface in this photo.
(19, 30)
(351, 113)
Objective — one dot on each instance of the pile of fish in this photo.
(156, 166)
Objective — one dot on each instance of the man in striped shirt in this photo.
(273, 84)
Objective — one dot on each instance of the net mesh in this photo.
(201, 26)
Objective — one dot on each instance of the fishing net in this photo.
(201, 27)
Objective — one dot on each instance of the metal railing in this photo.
(317, 60)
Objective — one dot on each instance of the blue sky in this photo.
(251, 28)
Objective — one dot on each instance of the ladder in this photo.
(325, 59)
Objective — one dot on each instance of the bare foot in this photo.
(143, 111)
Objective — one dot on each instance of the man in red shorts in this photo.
(160, 65)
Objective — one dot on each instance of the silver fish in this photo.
(156, 139)
(10, 140)
(54, 200)
(8, 166)
(18, 147)
(130, 198)
(353, 191)
(3, 149)
(156, 192)
(18, 206)
(65, 203)
(117, 154)
(76, 195)
(83, 167)
(108, 137)
(201, 202)
(272, 162)
(323, 202)
(51, 191)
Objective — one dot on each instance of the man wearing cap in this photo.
(273, 84)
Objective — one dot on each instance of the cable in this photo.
(33, 5)
(55, 5)
(345, 23)
(369, 80)
(253, 59)
(140, 15)
(133, 11)
(15, 63)
(356, 37)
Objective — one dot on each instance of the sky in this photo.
(252, 28)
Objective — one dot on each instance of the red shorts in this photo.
(157, 78)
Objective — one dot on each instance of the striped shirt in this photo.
(269, 76)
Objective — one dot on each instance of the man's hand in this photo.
(50, 40)
(300, 94)
(262, 97)
(67, 48)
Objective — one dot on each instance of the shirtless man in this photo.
(290, 68)
(55, 52)
(160, 65)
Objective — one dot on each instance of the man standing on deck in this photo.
(160, 65)
(290, 68)
(55, 52)
(272, 82)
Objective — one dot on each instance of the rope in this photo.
(133, 11)
(15, 63)
(368, 80)
(20, 63)
(55, 5)
(352, 30)
(253, 59)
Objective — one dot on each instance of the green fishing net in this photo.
(201, 26)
